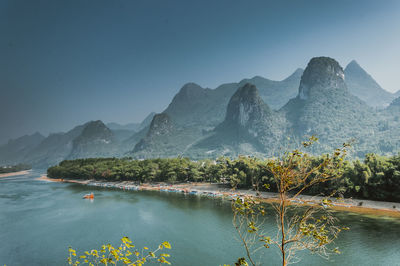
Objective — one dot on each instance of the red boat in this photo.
(89, 196)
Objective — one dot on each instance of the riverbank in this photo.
(25, 172)
(45, 178)
(369, 207)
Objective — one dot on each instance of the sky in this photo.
(63, 63)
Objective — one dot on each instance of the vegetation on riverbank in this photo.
(14, 168)
(375, 178)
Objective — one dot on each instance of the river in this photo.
(39, 220)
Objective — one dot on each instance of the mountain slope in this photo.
(92, 139)
(124, 132)
(324, 107)
(206, 108)
(53, 149)
(362, 85)
(146, 121)
(276, 93)
(116, 126)
(16, 149)
(95, 140)
(395, 104)
(194, 105)
(165, 138)
(250, 127)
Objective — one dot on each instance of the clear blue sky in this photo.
(63, 63)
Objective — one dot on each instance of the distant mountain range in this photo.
(255, 116)
(362, 85)
(132, 126)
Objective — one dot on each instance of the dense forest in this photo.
(14, 168)
(376, 177)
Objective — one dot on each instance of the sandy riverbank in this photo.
(370, 207)
(45, 178)
(25, 172)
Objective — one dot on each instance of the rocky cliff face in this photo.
(246, 108)
(249, 117)
(325, 108)
(160, 125)
(249, 127)
(160, 129)
(322, 74)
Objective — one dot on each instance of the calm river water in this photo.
(39, 220)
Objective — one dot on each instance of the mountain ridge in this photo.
(364, 86)
(256, 116)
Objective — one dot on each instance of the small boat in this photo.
(89, 196)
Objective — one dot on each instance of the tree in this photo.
(311, 226)
(126, 254)
(150, 171)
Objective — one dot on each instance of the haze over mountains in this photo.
(361, 84)
(255, 116)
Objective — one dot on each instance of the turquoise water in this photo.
(39, 220)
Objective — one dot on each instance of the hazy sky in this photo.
(63, 63)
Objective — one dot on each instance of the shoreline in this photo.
(24, 172)
(368, 207)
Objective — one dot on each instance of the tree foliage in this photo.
(14, 168)
(376, 177)
(125, 254)
(310, 227)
